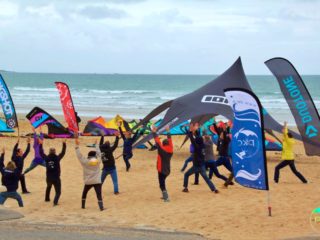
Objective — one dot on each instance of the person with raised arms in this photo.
(37, 160)
(189, 159)
(210, 160)
(287, 156)
(109, 164)
(53, 170)
(91, 172)
(223, 149)
(10, 179)
(165, 152)
(128, 141)
(18, 157)
(197, 160)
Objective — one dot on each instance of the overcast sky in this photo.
(164, 36)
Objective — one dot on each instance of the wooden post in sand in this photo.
(269, 203)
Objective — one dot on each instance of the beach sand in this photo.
(234, 213)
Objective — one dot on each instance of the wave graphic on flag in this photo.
(249, 176)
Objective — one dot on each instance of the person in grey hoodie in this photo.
(209, 158)
(91, 173)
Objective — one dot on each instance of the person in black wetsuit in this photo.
(109, 165)
(197, 160)
(18, 158)
(53, 170)
(128, 141)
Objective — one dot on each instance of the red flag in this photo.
(67, 106)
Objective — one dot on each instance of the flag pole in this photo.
(269, 203)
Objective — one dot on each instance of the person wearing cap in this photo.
(165, 152)
(53, 170)
(91, 173)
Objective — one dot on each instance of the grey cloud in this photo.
(102, 12)
(174, 16)
(290, 14)
(169, 16)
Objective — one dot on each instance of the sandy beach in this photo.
(234, 213)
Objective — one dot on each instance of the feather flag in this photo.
(67, 106)
(300, 102)
(247, 144)
(7, 105)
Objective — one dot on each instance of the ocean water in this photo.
(133, 96)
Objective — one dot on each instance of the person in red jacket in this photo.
(165, 152)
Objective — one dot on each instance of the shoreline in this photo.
(85, 119)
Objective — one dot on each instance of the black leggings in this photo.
(97, 188)
(162, 181)
(126, 158)
(292, 167)
(23, 183)
(57, 187)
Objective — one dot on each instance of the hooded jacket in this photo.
(19, 161)
(107, 154)
(53, 169)
(165, 153)
(199, 148)
(209, 155)
(128, 142)
(91, 167)
(10, 179)
(287, 146)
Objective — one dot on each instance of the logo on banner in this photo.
(214, 99)
(301, 106)
(11, 123)
(69, 104)
(4, 96)
(247, 142)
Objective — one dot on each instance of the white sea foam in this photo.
(132, 95)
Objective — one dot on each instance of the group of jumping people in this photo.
(202, 158)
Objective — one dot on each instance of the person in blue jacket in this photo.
(128, 141)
